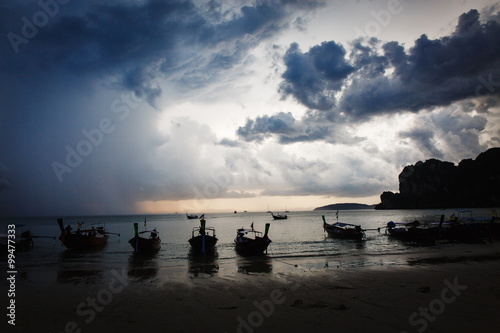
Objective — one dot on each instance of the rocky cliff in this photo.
(438, 184)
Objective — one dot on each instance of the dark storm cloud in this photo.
(374, 78)
(449, 132)
(431, 73)
(314, 76)
(65, 69)
(138, 42)
(424, 139)
(262, 127)
(288, 130)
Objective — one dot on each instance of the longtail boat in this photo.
(279, 216)
(83, 239)
(251, 242)
(142, 244)
(415, 231)
(19, 242)
(343, 230)
(203, 238)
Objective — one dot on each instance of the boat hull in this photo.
(141, 244)
(21, 244)
(421, 233)
(341, 233)
(84, 242)
(255, 246)
(203, 244)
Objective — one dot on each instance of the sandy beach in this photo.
(455, 290)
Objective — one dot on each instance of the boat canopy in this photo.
(246, 231)
(392, 224)
(340, 224)
(151, 231)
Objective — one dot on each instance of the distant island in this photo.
(345, 206)
(438, 184)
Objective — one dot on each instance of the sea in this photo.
(301, 236)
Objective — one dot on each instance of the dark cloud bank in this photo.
(375, 78)
(67, 66)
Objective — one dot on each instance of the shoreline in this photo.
(296, 295)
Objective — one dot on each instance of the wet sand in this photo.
(450, 290)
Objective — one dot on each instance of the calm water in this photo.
(301, 235)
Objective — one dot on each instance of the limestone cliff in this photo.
(438, 184)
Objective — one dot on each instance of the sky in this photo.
(149, 107)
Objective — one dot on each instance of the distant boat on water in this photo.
(279, 216)
(191, 216)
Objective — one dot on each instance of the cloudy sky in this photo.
(143, 106)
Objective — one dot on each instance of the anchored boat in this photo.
(251, 242)
(203, 238)
(145, 244)
(343, 230)
(19, 242)
(85, 239)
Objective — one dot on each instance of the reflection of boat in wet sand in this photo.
(83, 239)
(143, 265)
(74, 276)
(72, 271)
(142, 244)
(251, 242)
(262, 264)
(203, 264)
(343, 230)
(203, 238)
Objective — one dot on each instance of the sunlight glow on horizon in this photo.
(258, 204)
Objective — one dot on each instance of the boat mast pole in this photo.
(136, 232)
(202, 231)
(266, 231)
(63, 232)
